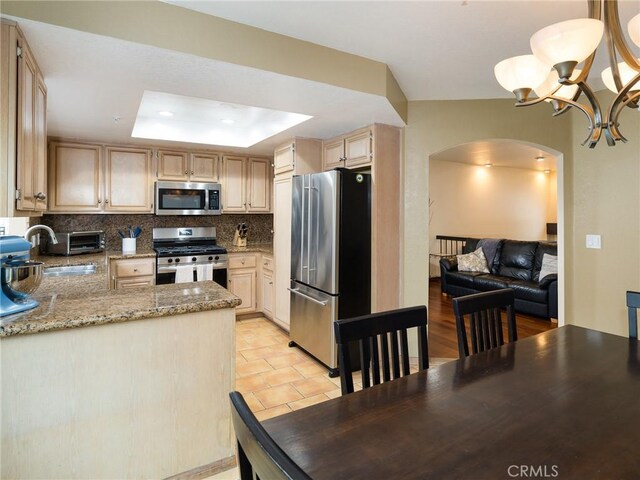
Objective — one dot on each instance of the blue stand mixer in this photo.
(19, 276)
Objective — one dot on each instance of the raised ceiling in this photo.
(95, 85)
(436, 50)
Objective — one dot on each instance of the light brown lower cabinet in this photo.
(132, 272)
(267, 287)
(242, 280)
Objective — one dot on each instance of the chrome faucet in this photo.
(52, 235)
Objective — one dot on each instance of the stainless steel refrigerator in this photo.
(330, 258)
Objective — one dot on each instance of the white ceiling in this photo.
(436, 50)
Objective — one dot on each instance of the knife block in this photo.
(238, 241)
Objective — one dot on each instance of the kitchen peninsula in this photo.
(101, 383)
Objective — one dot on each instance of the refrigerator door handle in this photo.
(298, 292)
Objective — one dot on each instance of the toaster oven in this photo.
(74, 243)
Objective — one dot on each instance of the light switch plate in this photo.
(594, 241)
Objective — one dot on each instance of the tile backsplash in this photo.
(260, 227)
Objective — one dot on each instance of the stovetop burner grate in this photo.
(189, 250)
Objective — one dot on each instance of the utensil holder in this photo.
(129, 246)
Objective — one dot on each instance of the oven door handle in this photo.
(173, 268)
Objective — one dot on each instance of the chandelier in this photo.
(551, 71)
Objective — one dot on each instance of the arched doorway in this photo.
(495, 188)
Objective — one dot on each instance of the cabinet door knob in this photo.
(41, 196)
(186, 172)
(99, 202)
(191, 172)
(106, 200)
(135, 269)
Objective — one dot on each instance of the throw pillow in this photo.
(549, 265)
(473, 262)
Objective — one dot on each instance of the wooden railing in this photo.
(448, 245)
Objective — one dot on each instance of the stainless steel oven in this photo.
(188, 198)
(189, 250)
(166, 273)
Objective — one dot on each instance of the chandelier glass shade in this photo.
(551, 71)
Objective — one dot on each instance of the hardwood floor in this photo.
(442, 327)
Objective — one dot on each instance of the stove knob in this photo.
(170, 260)
(217, 258)
(177, 260)
(193, 259)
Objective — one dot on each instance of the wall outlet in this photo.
(594, 241)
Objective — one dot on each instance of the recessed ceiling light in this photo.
(539, 159)
(488, 165)
(209, 121)
(547, 171)
(166, 113)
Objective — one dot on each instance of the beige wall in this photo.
(437, 125)
(552, 200)
(601, 196)
(491, 202)
(606, 201)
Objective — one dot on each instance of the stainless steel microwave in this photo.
(187, 198)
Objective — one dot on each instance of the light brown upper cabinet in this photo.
(81, 180)
(246, 185)
(352, 150)
(259, 185)
(299, 156)
(128, 180)
(75, 177)
(187, 167)
(23, 128)
(284, 158)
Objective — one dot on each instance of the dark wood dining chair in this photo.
(257, 452)
(383, 345)
(633, 304)
(485, 320)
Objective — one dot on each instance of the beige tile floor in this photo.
(274, 378)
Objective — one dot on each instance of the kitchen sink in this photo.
(69, 270)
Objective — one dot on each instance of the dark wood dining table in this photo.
(563, 404)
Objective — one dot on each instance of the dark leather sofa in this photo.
(516, 265)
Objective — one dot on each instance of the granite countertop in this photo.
(84, 300)
(266, 248)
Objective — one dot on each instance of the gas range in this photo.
(191, 246)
